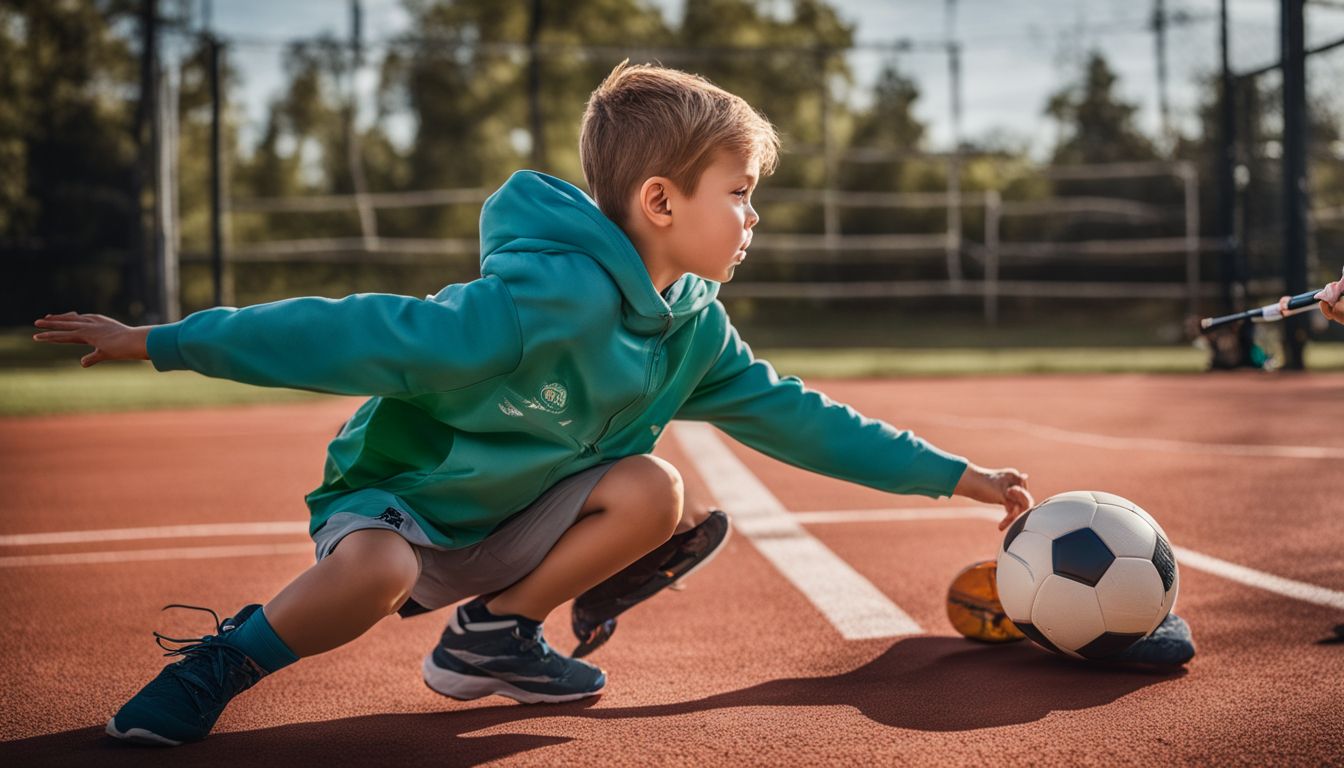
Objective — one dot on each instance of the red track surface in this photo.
(740, 667)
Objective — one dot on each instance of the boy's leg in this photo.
(367, 577)
(494, 644)
(634, 507)
(700, 535)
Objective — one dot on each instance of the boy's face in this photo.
(711, 229)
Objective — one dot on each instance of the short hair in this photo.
(646, 120)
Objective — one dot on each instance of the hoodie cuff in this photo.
(940, 470)
(163, 349)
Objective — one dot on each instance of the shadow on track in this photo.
(937, 684)
(921, 683)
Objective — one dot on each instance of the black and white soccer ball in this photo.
(1086, 574)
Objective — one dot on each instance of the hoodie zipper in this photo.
(590, 448)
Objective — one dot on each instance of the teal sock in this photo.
(258, 640)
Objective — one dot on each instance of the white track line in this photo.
(1185, 558)
(167, 553)
(856, 608)
(1298, 590)
(1136, 443)
(157, 532)
(898, 515)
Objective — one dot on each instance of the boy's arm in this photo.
(783, 419)
(367, 344)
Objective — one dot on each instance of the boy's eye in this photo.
(740, 193)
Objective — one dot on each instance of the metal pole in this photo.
(155, 310)
(136, 274)
(216, 175)
(1294, 174)
(536, 123)
(954, 158)
(1159, 25)
(1227, 163)
(1190, 176)
(170, 284)
(368, 219)
(830, 208)
(993, 202)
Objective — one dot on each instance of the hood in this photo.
(534, 213)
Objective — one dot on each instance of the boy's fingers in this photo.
(59, 324)
(60, 337)
(96, 356)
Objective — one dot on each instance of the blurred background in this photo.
(962, 174)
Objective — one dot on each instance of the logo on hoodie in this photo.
(553, 397)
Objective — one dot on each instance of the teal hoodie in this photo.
(561, 356)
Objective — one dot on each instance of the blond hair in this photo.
(646, 120)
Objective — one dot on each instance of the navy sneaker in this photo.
(594, 613)
(1170, 645)
(184, 701)
(482, 654)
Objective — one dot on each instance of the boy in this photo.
(504, 454)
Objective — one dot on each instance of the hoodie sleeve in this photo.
(783, 419)
(366, 344)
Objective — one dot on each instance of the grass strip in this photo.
(48, 389)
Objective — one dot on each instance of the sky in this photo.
(1015, 54)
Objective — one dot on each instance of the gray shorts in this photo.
(509, 553)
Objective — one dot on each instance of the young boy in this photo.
(504, 453)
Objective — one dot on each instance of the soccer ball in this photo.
(1086, 574)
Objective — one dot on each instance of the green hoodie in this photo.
(561, 356)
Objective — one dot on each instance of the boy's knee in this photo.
(649, 487)
(384, 560)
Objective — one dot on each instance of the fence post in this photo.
(992, 216)
(830, 209)
(1187, 172)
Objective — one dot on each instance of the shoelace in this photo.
(534, 641)
(208, 666)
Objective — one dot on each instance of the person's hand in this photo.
(110, 339)
(1329, 301)
(1329, 298)
(997, 486)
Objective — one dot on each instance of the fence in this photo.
(866, 253)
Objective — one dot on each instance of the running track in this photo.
(741, 667)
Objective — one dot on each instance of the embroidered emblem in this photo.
(509, 409)
(392, 517)
(655, 429)
(554, 397)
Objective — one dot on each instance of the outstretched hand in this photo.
(1328, 299)
(997, 486)
(110, 339)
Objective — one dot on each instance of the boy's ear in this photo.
(655, 201)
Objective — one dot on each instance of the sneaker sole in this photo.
(713, 553)
(462, 687)
(139, 736)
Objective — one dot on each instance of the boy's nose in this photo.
(753, 218)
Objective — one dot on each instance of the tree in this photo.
(1096, 126)
(67, 213)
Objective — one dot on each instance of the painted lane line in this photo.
(1185, 558)
(167, 553)
(1158, 445)
(898, 515)
(157, 532)
(856, 608)
(1298, 590)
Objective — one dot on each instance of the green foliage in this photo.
(1098, 127)
(462, 77)
(66, 150)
